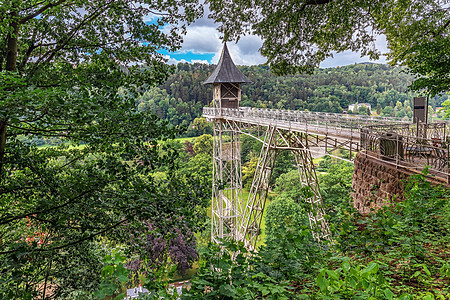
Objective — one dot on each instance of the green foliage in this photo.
(249, 170)
(199, 166)
(113, 276)
(203, 145)
(399, 252)
(299, 35)
(288, 185)
(419, 42)
(70, 73)
(250, 147)
(357, 282)
(335, 185)
(363, 110)
(200, 127)
(283, 214)
(284, 163)
(327, 26)
(229, 274)
(410, 238)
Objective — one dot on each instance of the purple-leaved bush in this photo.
(189, 148)
(172, 240)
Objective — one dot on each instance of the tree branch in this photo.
(314, 2)
(39, 11)
(444, 27)
(72, 243)
(50, 54)
(10, 219)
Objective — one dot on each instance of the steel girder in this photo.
(277, 140)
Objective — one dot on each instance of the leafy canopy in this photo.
(61, 66)
(299, 35)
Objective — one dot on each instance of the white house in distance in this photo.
(353, 107)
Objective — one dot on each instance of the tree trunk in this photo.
(11, 62)
(12, 39)
(2, 146)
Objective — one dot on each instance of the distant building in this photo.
(355, 106)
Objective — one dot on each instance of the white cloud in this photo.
(349, 57)
(173, 61)
(245, 52)
(202, 37)
(200, 61)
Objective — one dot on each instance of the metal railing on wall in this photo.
(413, 146)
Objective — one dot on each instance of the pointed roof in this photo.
(226, 70)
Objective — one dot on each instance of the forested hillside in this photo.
(181, 98)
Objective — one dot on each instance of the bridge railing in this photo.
(306, 118)
(410, 145)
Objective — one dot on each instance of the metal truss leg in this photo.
(308, 178)
(298, 144)
(251, 218)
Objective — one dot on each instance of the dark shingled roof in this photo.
(226, 71)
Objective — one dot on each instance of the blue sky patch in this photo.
(188, 56)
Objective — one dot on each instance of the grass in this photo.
(183, 140)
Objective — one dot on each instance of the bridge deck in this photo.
(339, 126)
(407, 145)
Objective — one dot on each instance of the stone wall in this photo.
(376, 183)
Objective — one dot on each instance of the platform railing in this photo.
(306, 118)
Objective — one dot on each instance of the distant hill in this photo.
(181, 98)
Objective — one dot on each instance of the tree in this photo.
(199, 166)
(61, 66)
(388, 111)
(363, 110)
(203, 144)
(282, 214)
(418, 35)
(335, 186)
(199, 126)
(250, 147)
(298, 35)
(249, 170)
(379, 109)
(284, 163)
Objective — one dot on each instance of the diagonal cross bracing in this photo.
(234, 217)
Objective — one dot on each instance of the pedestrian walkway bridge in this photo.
(392, 139)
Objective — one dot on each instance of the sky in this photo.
(202, 44)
